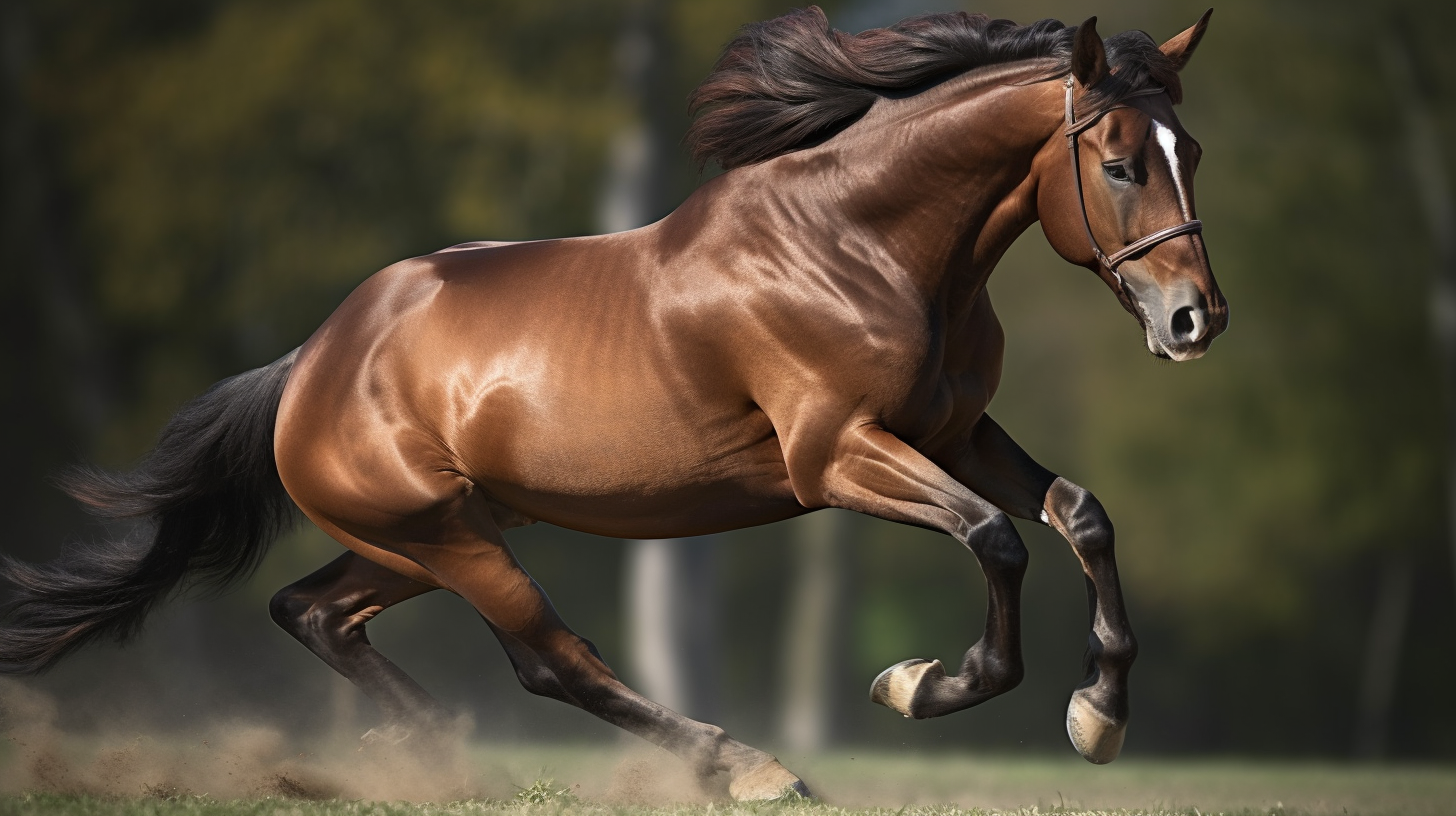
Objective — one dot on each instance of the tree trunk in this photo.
(815, 638)
(670, 584)
(1433, 186)
(1383, 647)
(38, 233)
(673, 623)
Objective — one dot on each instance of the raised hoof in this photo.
(896, 686)
(768, 782)
(1097, 737)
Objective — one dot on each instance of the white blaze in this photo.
(1169, 142)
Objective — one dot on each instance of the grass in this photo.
(61, 805)
(538, 781)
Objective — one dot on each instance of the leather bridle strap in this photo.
(1111, 262)
(1149, 241)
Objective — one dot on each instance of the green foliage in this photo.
(241, 177)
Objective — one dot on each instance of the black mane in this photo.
(785, 83)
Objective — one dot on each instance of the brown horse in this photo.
(810, 329)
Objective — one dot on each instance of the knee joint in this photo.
(1082, 517)
(998, 545)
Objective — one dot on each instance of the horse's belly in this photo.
(677, 514)
(635, 496)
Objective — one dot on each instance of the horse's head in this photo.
(1122, 203)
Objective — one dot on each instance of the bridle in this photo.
(1111, 262)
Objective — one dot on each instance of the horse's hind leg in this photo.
(327, 612)
(997, 468)
(553, 661)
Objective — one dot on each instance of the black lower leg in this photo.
(1098, 713)
(1111, 644)
(994, 665)
(567, 667)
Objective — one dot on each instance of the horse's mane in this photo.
(786, 83)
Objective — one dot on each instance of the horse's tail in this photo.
(211, 502)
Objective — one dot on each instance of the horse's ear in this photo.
(1180, 48)
(1089, 59)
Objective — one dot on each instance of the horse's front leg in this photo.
(995, 467)
(876, 473)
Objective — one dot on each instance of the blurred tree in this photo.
(51, 359)
(1432, 183)
(201, 183)
(239, 181)
(672, 610)
(816, 630)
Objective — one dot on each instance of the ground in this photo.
(556, 781)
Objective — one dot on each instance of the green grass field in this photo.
(605, 782)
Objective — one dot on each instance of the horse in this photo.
(809, 329)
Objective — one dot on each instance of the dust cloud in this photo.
(238, 760)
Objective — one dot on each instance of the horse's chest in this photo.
(952, 402)
(955, 384)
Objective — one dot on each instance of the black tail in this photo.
(213, 504)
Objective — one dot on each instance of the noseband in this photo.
(1111, 262)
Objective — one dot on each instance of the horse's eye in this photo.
(1117, 172)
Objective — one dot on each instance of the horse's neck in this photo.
(945, 178)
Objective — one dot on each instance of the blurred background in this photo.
(191, 186)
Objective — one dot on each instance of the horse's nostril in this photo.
(1186, 325)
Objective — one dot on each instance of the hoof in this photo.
(768, 782)
(1097, 737)
(896, 686)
